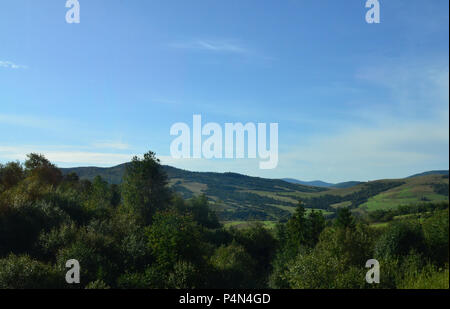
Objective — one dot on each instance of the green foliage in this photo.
(185, 275)
(386, 215)
(20, 225)
(100, 198)
(22, 272)
(202, 214)
(336, 262)
(144, 187)
(429, 277)
(97, 285)
(261, 245)
(297, 236)
(316, 270)
(134, 281)
(39, 167)
(400, 239)
(344, 219)
(353, 246)
(235, 267)
(49, 243)
(174, 237)
(10, 175)
(98, 253)
(441, 188)
(436, 236)
(297, 227)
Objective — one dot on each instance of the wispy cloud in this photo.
(358, 153)
(413, 86)
(112, 145)
(67, 157)
(12, 65)
(223, 46)
(26, 121)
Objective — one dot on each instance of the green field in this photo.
(244, 224)
(415, 190)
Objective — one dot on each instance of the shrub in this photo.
(22, 272)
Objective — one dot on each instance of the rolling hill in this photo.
(233, 196)
(439, 172)
(316, 183)
(319, 183)
(237, 197)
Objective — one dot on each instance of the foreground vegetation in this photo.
(140, 234)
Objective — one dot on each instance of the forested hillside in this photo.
(233, 196)
(236, 197)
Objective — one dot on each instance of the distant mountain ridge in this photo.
(437, 172)
(323, 184)
(349, 184)
(315, 183)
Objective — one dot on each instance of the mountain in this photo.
(237, 197)
(347, 184)
(439, 172)
(112, 175)
(319, 183)
(233, 196)
(315, 183)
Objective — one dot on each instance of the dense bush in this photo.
(400, 239)
(22, 272)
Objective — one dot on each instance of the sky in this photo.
(354, 101)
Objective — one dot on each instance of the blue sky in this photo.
(354, 101)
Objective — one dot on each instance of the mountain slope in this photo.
(439, 172)
(233, 196)
(240, 197)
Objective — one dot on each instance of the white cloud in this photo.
(11, 65)
(111, 145)
(225, 46)
(26, 121)
(63, 155)
(71, 158)
(414, 87)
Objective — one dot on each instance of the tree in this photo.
(144, 186)
(38, 166)
(297, 227)
(317, 224)
(235, 267)
(174, 237)
(337, 261)
(400, 238)
(100, 197)
(261, 245)
(202, 214)
(345, 219)
(435, 231)
(10, 175)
